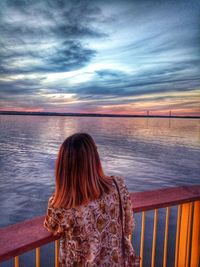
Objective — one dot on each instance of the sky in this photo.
(116, 57)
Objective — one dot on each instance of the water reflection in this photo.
(150, 153)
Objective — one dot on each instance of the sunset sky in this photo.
(123, 57)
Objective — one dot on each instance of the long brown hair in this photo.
(79, 174)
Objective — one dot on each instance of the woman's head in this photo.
(79, 174)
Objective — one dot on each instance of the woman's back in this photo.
(91, 235)
(87, 207)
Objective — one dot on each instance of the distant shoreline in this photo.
(92, 115)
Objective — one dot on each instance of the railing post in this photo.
(142, 238)
(154, 238)
(189, 234)
(166, 237)
(56, 253)
(184, 237)
(17, 261)
(177, 235)
(38, 257)
(195, 250)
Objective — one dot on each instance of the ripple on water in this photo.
(148, 153)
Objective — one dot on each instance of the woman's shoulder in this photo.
(50, 200)
(67, 212)
(51, 206)
(122, 186)
(120, 181)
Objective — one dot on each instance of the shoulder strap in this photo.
(121, 215)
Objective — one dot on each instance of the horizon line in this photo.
(68, 114)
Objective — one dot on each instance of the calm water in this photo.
(148, 153)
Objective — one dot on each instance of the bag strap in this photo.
(121, 215)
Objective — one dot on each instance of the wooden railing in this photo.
(22, 237)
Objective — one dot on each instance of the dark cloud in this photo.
(70, 55)
(110, 74)
(34, 26)
(21, 87)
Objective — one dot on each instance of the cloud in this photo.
(101, 52)
(45, 36)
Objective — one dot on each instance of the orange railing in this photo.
(23, 237)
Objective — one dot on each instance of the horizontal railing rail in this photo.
(22, 237)
(155, 199)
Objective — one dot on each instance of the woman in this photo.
(87, 207)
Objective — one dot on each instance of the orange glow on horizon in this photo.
(174, 112)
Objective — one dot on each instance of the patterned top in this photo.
(91, 235)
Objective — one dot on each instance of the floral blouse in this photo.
(91, 235)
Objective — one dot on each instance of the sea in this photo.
(149, 153)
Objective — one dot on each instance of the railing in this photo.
(22, 237)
